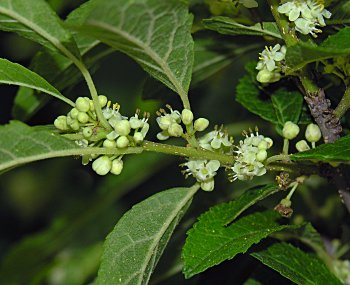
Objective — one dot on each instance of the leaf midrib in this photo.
(191, 192)
(153, 55)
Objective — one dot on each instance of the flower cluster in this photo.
(307, 15)
(204, 171)
(251, 153)
(269, 65)
(82, 120)
(170, 123)
(217, 140)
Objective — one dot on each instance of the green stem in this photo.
(344, 104)
(278, 157)
(90, 83)
(283, 25)
(285, 147)
(188, 152)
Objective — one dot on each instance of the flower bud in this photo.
(269, 142)
(164, 122)
(102, 165)
(302, 146)
(83, 117)
(263, 145)
(117, 166)
(109, 143)
(102, 100)
(122, 127)
(162, 136)
(61, 123)
(82, 104)
(208, 185)
(138, 137)
(92, 106)
(261, 155)
(135, 123)
(87, 132)
(290, 130)
(264, 76)
(186, 116)
(175, 130)
(201, 124)
(74, 113)
(313, 133)
(122, 142)
(74, 124)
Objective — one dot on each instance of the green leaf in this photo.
(246, 200)
(340, 14)
(248, 95)
(296, 265)
(137, 28)
(57, 69)
(303, 53)
(35, 20)
(288, 105)
(252, 282)
(222, 243)
(339, 151)
(22, 144)
(15, 74)
(134, 247)
(228, 26)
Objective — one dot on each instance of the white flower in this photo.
(269, 65)
(215, 140)
(306, 14)
(250, 154)
(269, 56)
(204, 171)
(165, 121)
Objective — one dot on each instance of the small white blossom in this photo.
(307, 15)
(251, 152)
(204, 171)
(269, 65)
(215, 140)
(167, 120)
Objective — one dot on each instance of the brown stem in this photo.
(320, 108)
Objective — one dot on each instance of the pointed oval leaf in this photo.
(228, 26)
(15, 74)
(296, 265)
(223, 243)
(154, 33)
(35, 20)
(134, 247)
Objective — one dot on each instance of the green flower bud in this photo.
(186, 116)
(175, 130)
(82, 104)
(201, 124)
(263, 145)
(73, 123)
(261, 155)
(208, 185)
(302, 146)
(61, 123)
(122, 142)
(92, 106)
(313, 133)
(102, 100)
(117, 166)
(138, 137)
(87, 132)
(286, 202)
(290, 130)
(269, 142)
(102, 165)
(122, 127)
(109, 143)
(74, 113)
(164, 122)
(83, 117)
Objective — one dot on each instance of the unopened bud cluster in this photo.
(82, 119)
(250, 155)
(270, 64)
(307, 15)
(171, 123)
(204, 171)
